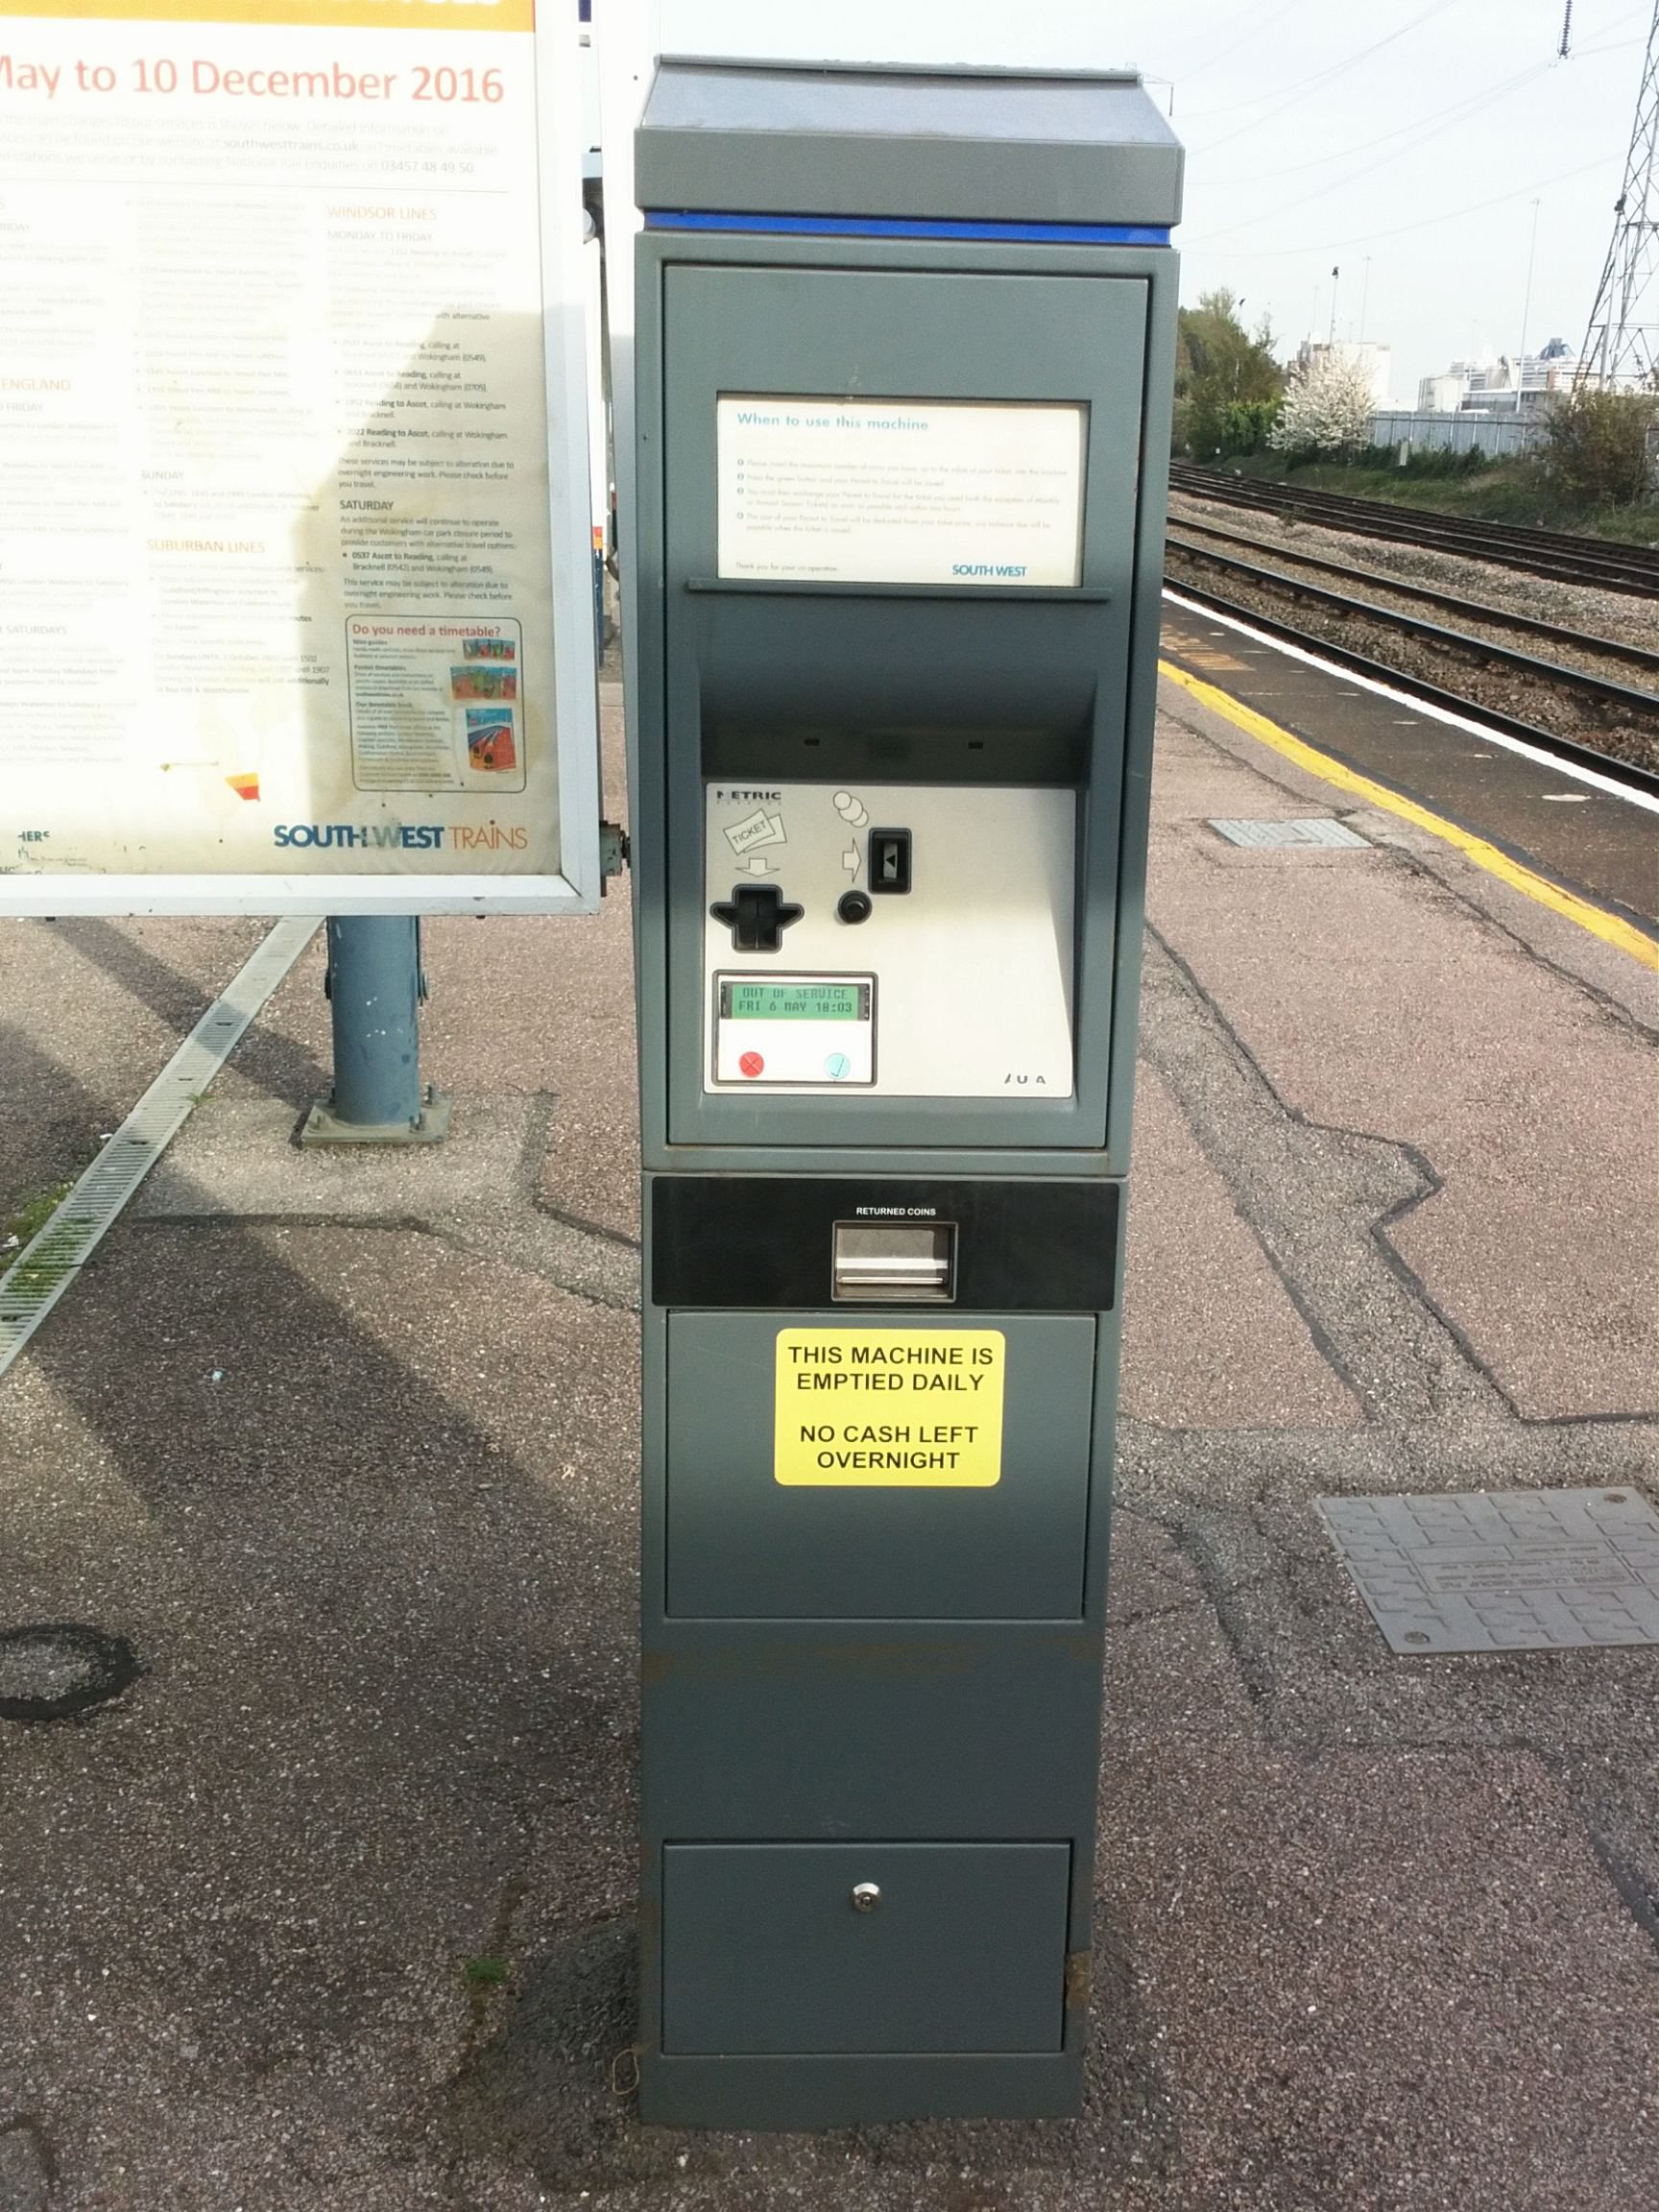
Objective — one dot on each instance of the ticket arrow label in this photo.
(757, 829)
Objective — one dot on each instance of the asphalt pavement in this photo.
(329, 1906)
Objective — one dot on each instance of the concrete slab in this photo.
(1370, 1002)
(1599, 844)
(381, 1579)
(1370, 1993)
(1172, 1672)
(331, 1910)
(548, 1005)
(1211, 1338)
(1553, 938)
(1195, 779)
(25, 2168)
(534, 1003)
(237, 1157)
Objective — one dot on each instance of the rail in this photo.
(1559, 555)
(1448, 603)
(1631, 773)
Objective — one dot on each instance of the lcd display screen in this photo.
(794, 1001)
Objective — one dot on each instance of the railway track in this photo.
(1553, 553)
(1629, 754)
(1581, 685)
(1459, 610)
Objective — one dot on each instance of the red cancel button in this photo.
(751, 1064)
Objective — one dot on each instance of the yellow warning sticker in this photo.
(890, 1407)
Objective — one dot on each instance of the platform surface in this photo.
(330, 1911)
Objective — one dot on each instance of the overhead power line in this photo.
(1252, 38)
(1398, 230)
(1409, 130)
(1428, 128)
(1336, 69)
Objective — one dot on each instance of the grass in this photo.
(1503, 492)
(28, 1221)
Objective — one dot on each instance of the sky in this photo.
(1403, 142)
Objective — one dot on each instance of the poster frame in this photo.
(578, 885)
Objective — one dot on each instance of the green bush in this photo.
(1246, 425)
(1599, 447)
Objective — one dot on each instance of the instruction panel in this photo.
(962, 492)
(890, 1407)
(278, 577)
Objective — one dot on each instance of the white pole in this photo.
(627, 35)
(1525, 313)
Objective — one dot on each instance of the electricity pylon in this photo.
(1622, 345)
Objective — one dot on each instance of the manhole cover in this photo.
(1504, 1570)
(1314, 830)
(53, 1669)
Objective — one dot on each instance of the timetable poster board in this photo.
(295, 576)
(967, 493)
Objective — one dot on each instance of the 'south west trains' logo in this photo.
(352, 836)
(402, 837)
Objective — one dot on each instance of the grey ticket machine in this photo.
(903, 370)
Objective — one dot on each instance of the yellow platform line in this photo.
(1596, 919)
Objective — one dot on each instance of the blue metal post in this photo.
(375, 988)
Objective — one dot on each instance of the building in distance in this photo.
(1508, 384)
(1375, 360)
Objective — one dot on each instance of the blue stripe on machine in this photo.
(907, 227)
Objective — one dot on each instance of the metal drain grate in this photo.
(1321, 829)
(48, 1264)
(1504, 1570)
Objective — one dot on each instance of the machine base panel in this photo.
(772, 2094)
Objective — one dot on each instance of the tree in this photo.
(1327, 407)
(1227, 382)
(1597, 447)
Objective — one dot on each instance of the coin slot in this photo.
(890, 860)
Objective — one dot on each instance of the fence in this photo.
(1494, 434)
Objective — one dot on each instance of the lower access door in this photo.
(819, 1948)
(827, 1466)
